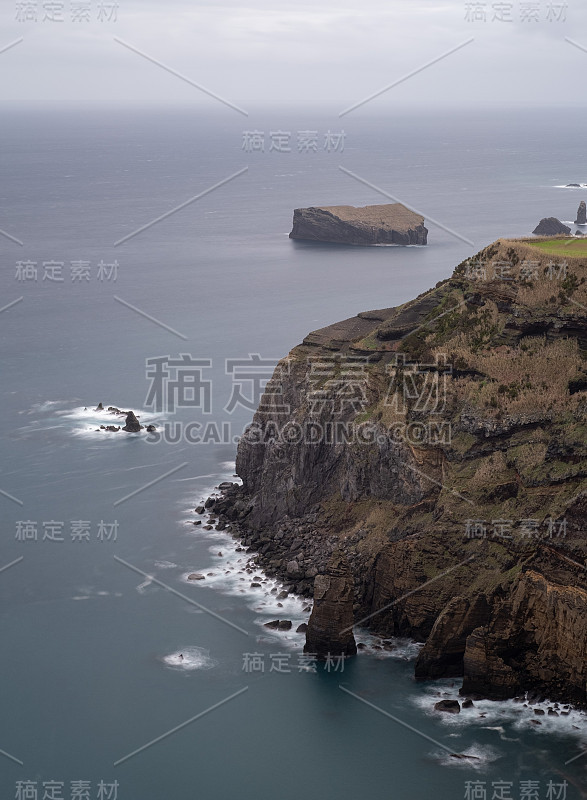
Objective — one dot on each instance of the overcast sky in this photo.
(263, 53)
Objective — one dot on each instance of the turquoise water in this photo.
(85, 680)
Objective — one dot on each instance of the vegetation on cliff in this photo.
(441, 446)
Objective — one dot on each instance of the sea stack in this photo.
(581, 214)
(392, 223)
(131, 425)
(330, 630)
(551, 226)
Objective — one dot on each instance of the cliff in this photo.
(371, 225)
(440, 445)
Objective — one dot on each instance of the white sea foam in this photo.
(189, 658)
(503, 717)
(398, 648)
(477, 756)
(86, 421)
(232, 573)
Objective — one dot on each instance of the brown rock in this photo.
(330, 627)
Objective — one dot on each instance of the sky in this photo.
(332, 54)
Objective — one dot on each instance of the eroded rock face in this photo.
(442, 655)
(537, 634)
(550, 226)
(581, 214)
(330, 626)
(370, 225)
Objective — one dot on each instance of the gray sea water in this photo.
(90, 670)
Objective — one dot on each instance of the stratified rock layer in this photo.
(551, 226)
(370, 225)
(330, 626)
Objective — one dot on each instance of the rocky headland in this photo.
(430, 476)
(392, 223)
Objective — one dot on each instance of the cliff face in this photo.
(440, 446)
(370, 225)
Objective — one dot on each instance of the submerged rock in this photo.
(330, 627)
(392, 223)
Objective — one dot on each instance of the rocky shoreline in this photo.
(277, 561)
(507, 614)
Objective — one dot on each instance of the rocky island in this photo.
(430, 479)
(370, 225)
(551, 226)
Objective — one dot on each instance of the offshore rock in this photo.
(330, 629)
(550, 226)
(581, 214)
(392, 223)
(132, 425)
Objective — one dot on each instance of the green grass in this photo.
(559, 247)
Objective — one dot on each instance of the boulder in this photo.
(132, 425)
(448, 706)
(550, 226)
(302, 628)
(392, 223)
(284, 625)
(581, 214)
(99, 407)
(293, 568)
(196, 576)
(273, 625)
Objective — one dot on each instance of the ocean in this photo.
(98, 534)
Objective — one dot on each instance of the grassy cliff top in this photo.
(393, 215)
